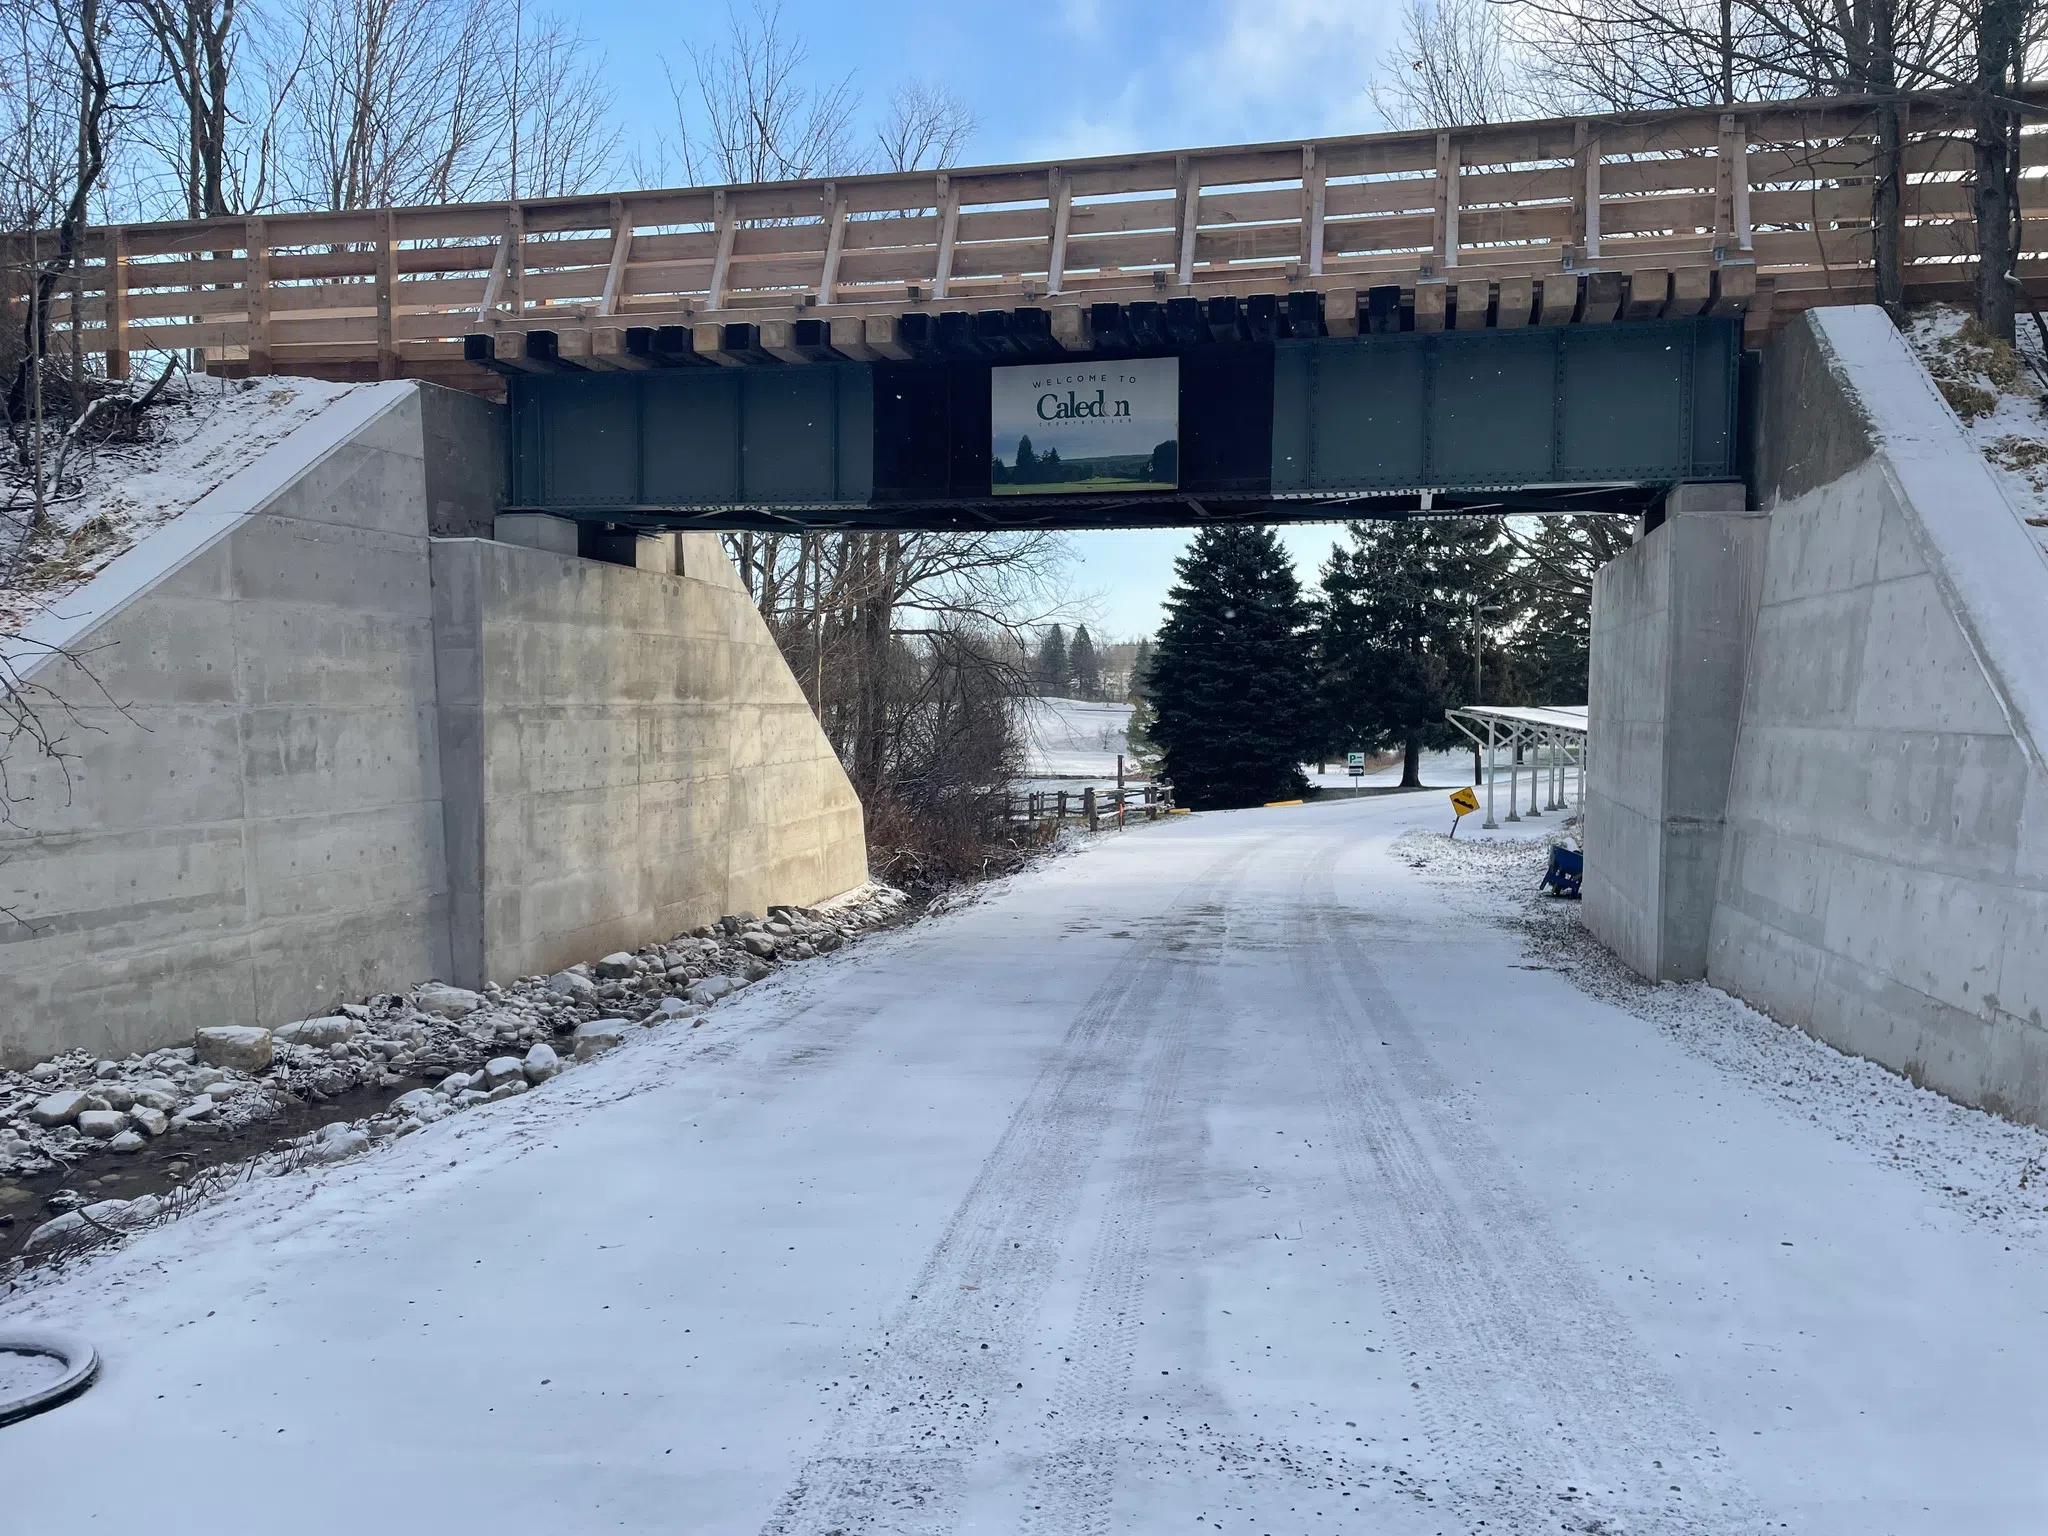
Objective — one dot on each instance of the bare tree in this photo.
(1455, 62)
(195, 40)
(394, 105)
(748, 110)
(559, 136)
(925, 127)
(2001, 55)
(1632, 54)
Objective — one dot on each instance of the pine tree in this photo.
(1053, 669)
(1084, 665)
(1231, 684)
(1552, 584)
(1394, 641)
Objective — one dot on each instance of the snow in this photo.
(1075, 738)
(146, 508)
(1234, 1173)
(1987, 559)
(2012, 434)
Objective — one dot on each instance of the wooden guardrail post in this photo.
(1446, 232)
(1088, 806)
(1061, 192)
(256, 242)
(387, 295)
(1586, 192)
(1314, 199)
(117, 302)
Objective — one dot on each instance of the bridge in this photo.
(1534, 316)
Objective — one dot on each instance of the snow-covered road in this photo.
(1227, 1175)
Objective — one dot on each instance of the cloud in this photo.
(1264, 70)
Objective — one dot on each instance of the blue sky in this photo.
(1064, 77)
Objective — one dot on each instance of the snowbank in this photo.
(193, 441)
(2001, 398)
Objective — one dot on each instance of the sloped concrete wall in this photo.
(1885, 882)
(317, 753)
(647, 760)
(250, 824)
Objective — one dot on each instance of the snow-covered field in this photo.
(1275, 1171)
(198, 435)
(1075, 738)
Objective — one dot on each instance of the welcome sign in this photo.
(1075, 428)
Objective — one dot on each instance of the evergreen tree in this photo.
(1231, 685)
(1084, 665)
(1396, 628)
(1053, 669)
(1141, 666)
(1553, 586)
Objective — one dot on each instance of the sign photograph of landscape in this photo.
(1072, 428)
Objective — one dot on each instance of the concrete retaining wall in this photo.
(315, 753)
(1664, 694)
(1883, 880)
(683, 775)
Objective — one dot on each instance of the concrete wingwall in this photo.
(1882, 876)
(648, 761)
(312, 751)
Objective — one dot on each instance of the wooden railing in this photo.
(1761, 209)
(1094, 808)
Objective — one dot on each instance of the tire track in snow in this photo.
(910, 1423)
(1071, 1490)
(1530, 1378)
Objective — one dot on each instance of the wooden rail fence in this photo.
(1761, 209)
(1093, 808)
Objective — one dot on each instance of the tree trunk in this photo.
(1887, 192)
(2000, 43)
(1411, 765)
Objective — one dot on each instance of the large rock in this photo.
(577, 988)
(449, 1002)
(128, 1141)
(417, 1102)
(335, 1141)
(241, 1046)
(60, 1108)
(708, 991)
(542, 1063)
(149, 1120)
(505, 1091)
(598, 1036)
(334, 1029)
(102, 1124)
(500, 1070)
(761, 944)
(617, 965)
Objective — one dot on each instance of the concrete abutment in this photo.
(1815, 772)
(329, 737)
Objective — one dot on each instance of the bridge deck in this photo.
(1759, 211)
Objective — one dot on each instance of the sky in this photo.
(1064, 77)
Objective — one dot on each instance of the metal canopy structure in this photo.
(1556, 729)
